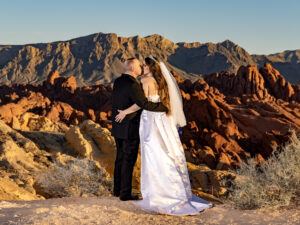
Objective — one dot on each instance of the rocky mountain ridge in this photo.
(96, 58)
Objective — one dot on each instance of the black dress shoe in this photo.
(129, 197)
(116, 194)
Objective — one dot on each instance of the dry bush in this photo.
(78, 177)
(272, 184)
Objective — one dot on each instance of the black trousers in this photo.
(127, 151)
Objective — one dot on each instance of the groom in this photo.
(126, 92)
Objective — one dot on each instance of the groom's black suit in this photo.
(126, 92)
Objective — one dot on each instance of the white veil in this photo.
(175, 96)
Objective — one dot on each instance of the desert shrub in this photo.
(76, 177)
(272, 184)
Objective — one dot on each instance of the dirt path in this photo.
(110, 210)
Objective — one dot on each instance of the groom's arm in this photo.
(138, 97)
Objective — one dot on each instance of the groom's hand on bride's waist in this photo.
(120, 116)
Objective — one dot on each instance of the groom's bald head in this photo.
(133, 66)
(130, 62)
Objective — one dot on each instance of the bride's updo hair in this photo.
(163, 90)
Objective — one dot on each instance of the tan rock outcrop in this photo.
(26, 154)
(20, 160)
(91, 140)
(81, 143)
(9, 190)
(32, 122)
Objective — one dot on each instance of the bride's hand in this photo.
(120, 116)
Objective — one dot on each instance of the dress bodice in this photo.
(154, 98)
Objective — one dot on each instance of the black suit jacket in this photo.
(126, 92)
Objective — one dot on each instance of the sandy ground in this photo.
(110, 210)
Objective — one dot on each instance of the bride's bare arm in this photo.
(122, 113)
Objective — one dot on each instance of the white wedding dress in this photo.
(165, 184)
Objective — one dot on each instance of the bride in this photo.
(165, 184)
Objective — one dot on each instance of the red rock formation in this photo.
(22, 104)
(277, 85)
(52, 76)
(297, 92)
(229, 116)
(235, 116)
(58, 98)
(247, 82)
(69, 83)
(210, 125)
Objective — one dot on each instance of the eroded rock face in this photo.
(10, 190)
(32, 122)
(90, 140)
(20, 160)
(277, 84)
(81, 143)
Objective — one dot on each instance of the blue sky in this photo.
(261, 27)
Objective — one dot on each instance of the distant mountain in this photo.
(287, 63)
(95, 58)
